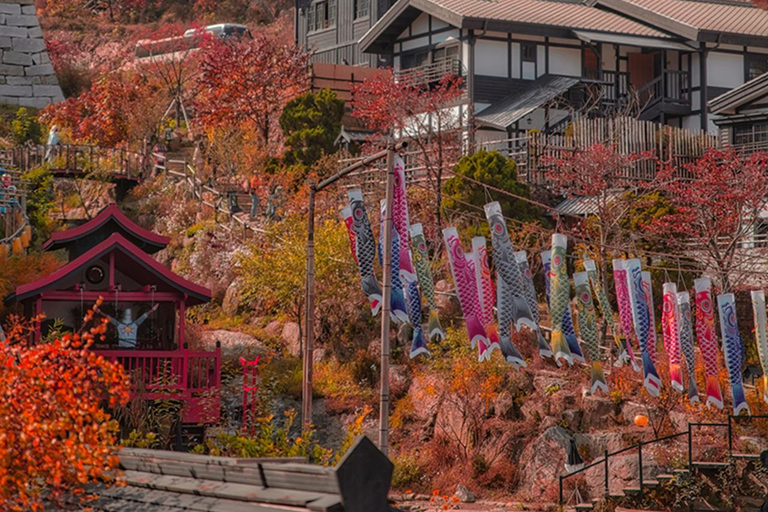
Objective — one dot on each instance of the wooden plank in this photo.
(236, 474)
(300, 481)
(233, 491)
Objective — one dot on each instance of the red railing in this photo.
(193, 377)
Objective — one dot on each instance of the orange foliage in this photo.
(18, 270)
(55, 437)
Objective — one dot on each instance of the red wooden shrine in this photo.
(110, 257)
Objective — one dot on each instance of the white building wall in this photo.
(609, 57)
(415, 43)
(515, 60)
(725, 69)
(541, 60)
(420, 25)
(491, 58)
(565, 61)
(446, 36)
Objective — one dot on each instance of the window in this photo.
(447, 52)
(756, 65)
(321, 15)
(528, 52)
(413, 60)
(361, 8)
(591, 64)
(755, 135)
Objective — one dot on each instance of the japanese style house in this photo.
(518, 58)
(110, 257)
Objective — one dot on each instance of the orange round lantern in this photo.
(641, 420)
(16, 246)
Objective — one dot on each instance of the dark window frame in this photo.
(362, 9)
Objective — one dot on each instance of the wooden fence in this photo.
(535, 152)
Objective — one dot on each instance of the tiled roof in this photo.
(712, 16)
(505, 113)
(547, 13)
(728, 102)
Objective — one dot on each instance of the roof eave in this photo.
(654, 19)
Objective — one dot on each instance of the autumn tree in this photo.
(55, 435)
(717, 203)
(249, 81)
(427, 115)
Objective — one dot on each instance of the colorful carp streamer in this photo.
(733, 349)
(346, 214)
(399, 309)
(485, 292)
(466, 290)
(513, 306)
(641, 319)
(400, 221)
(648, 290)
(568, 332)
(707, 338)
(625, 307)
(420, 257)
(587, 320)
(670, 331)
(606, 310)
(533, 304)
(685, 328)
(559, 298)
(365, 249)
(761, 335)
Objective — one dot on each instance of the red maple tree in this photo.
(717, 203)
(248, 81)
(425, 113)
(55, 434)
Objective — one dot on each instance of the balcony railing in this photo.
(431, 72)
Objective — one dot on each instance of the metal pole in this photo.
(386, 238)
(690, 450)
(607, 489)
(640, 464)
(309, 318)
(560, 494)
(730, 435)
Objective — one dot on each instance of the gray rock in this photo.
(232, 303)
(40, 102)
(6, 42)
(233, 343)
(10, 70)
(22, 80)
(292, 339)
(464, 494)
(22, 20)
(28, 45)
(46, 90)
(22, 59)
(6, 31)
(36, 32)
(10, 8)
(15, 90)
(28, 9)
(42, 69)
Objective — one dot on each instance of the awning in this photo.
(503, 114)
(643, 42)
(582, 206)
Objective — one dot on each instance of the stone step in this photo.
(664, 477)
(680, 471)
(616, 495)
(651, 484)
(632, 491)
(710, 465)
(584, 507)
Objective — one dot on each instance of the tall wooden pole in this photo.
(386, 241)
(309, 317)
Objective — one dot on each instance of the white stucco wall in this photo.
(565, 61)
(491, 58)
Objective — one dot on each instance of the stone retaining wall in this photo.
(26, 75)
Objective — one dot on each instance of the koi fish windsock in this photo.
(513, 306)
(365, 249)
(420, 258)
(467, 300)
(648, 291)
(761, 335)
(546, 261)
(400, 221)
(418, 343)
(686, 343)
(733, 350)
(625, 307)
(587, 320)
(642, 321)
(346, 214)
(559, 297)
(707, 337)
(606, 310)
(670, 330)
(399, 308)
(485, 292)
(533, 303)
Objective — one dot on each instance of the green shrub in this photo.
(25, 127)
(407, 472)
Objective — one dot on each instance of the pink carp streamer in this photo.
(707, 337)
(466, 290)
(670, 329)
(485, 291)
(625, 307)
(648, 291)
(401, 223)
